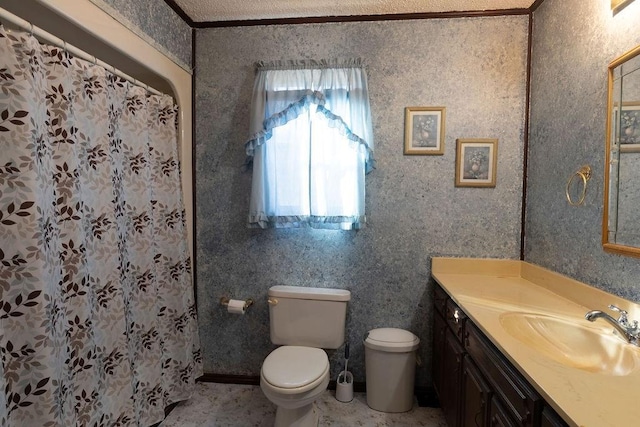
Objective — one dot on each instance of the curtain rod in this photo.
(50, 38)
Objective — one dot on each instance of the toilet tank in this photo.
(312, 317)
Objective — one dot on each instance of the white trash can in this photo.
(390, 365)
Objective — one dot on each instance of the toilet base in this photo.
(305, 416)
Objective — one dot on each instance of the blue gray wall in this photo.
(476, 67)
(573, 43)
(157, 23)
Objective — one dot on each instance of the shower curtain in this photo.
(98, 322)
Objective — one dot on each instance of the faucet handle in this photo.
(623, 314)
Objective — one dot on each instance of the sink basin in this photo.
(572, 344)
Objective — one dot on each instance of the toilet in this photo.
(303, 321)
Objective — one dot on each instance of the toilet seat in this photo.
(295, 369)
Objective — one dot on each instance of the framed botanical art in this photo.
(424, 130)
(476, 161)
(627, 127)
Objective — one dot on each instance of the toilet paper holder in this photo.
(224, 301)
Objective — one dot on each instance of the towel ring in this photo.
(584, 173)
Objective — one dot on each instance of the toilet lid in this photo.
(294, 366)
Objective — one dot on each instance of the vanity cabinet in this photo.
(498, 416)
(477, 386)
(447, 358)
(452, 378)
(511, 390)
(551, 419)
(476, 395)
(438, 334)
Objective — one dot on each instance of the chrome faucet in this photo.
(629, 330)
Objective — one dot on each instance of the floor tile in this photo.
(232, 405)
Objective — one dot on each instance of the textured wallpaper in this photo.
(156, 22)
(573, 43)
(475, 67)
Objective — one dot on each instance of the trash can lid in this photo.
(391, 340)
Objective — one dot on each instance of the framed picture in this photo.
(476, 161)
(627, 129)
(424, 130)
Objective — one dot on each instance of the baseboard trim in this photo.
(230, 379)
(167, 411)
(358, 387)
(426, 395)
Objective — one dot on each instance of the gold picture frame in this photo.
(476, 162)
(626, 126)
(424, 130)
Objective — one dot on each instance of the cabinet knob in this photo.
(456, 315)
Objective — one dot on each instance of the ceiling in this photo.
(200, 11)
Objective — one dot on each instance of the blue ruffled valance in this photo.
(337, 122)
(309, 64)
(292, 111)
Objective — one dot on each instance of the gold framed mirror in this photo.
(618, 5)
(621, 218)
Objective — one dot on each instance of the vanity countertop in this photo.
(487, 288)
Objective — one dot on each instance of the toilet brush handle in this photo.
(346, 360)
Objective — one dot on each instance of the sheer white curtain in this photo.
(311, 144)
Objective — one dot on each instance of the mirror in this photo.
(621, 221)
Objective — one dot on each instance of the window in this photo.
(311, 145)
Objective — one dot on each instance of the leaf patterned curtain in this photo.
(97, 315)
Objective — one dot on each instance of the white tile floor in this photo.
(244, 405)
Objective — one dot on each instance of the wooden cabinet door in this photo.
(498, 417)
(451, 380)
(551, 419)
(440, 298)
(476, 395)
(517, 396)
(439, 330)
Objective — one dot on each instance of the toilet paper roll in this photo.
(236, 306)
